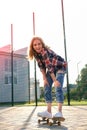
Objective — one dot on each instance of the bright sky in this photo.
(48, 25)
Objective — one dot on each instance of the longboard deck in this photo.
(58, 118)
(51, 121)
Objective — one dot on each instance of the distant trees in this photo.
(80, 92)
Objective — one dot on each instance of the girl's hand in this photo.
(45, 82)
(56, 83)
(65, 64)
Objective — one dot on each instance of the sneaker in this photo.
(58, 114)
(44, 114)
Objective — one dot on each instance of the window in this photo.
(15, 80)
(8, 79)
(8, 65)
(15, 66)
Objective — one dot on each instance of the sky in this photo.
(49, 26)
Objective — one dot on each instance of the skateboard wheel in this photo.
(50, 123)
(47, 121)
(39, 121)
(59, 123)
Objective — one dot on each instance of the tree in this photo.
(82, 84)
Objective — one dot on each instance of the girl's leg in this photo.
(49, 105)
(59, 91)
(48, 98)
(60, 107)
(48, 93)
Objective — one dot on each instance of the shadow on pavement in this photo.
(53, 127)
(28, 119)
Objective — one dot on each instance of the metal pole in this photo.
(35, 61)
(68, 91)
(12, 92)
(29, 79)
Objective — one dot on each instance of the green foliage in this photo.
(80, 93)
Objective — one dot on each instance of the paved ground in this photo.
(25, 118)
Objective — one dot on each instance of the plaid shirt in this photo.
(49, 60)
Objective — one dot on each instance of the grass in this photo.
(72, 103)
(76, 103)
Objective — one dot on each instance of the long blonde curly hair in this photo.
(31, 51)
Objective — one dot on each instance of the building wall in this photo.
(5, 90)
(32, 89)
(20, 76)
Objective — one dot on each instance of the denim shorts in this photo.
(58, 90)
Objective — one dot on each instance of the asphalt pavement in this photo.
(25, 118)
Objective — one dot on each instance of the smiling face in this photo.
(37, 45)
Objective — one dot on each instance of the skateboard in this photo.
(51, 121)
(57, 120)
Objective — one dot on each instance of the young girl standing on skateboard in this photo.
(53, 69)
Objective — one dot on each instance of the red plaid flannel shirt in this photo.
(49, 60)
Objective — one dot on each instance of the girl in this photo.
(53, 69)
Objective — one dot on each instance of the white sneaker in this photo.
(44, 114)
(58, 114)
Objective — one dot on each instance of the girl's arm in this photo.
(55, 81)
(44, 77)
(43, 71)
(53, 77)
